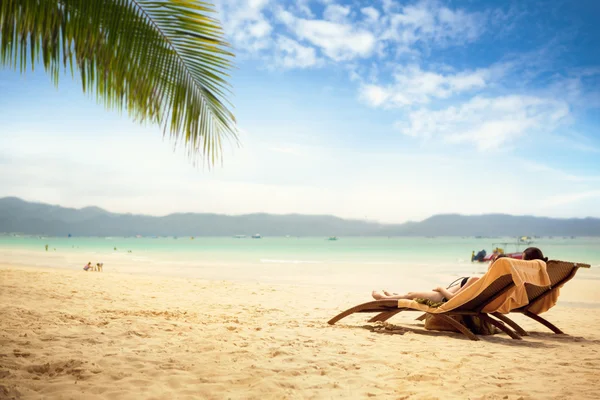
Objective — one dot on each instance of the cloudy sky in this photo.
(386, 110)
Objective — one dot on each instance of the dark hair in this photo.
(498, 256)
(533, 253)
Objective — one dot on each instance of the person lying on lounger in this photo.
(440, 294)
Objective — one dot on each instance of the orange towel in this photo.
(533, 272)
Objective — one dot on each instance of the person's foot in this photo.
(389, 293)
(376, 295)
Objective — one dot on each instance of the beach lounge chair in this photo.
(501, 289)
(542, 298)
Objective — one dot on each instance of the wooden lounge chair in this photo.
(501, 287)
(542, 298)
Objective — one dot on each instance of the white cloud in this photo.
(303, 8)
(336, 13)
(486, 122)
(374, 95)
(291, 54)
(245, 23)
(414, 86)
(338, 41)
(371, 13)
(429, 22)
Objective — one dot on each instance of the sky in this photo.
(382, 110)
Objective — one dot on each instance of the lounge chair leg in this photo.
(501, 326)
(511, 323)
(458, 326)
(542, 321)
(378, 306)
(384, 316)
(421, 317)
(380, 315)
(340, 316)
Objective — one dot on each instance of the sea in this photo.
(347, 261)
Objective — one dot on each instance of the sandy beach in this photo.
(68, 334)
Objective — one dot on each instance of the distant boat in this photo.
(332, 238)
(525, 239)
(191, 238)
(256, 236)
(483, 256)
(240, 236)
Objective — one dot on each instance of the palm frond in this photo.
(164, 61)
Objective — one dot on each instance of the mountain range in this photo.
(17, 215)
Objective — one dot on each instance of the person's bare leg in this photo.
(378, 296)
(429, 295)
(433, 296)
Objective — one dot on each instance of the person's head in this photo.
(533, 253)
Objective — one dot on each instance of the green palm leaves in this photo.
(164, 61)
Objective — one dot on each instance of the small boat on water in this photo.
(256, 236)
(483, 256)
(239, 236)
(332, 238)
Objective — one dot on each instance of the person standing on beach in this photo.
(46, 246)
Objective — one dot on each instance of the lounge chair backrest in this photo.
(542, 298)
(562, 271)
(496, 288)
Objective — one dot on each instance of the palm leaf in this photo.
(164, 61)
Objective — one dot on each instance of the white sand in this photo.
(68, 334)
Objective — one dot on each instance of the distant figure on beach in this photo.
(87, 266)
(46, 246)
(99, 267)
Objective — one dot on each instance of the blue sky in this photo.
(385, 110)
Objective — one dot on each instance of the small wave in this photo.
(266, 260)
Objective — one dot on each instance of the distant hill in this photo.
(17, 215)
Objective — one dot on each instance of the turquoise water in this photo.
(356, 250)
(356, 261)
